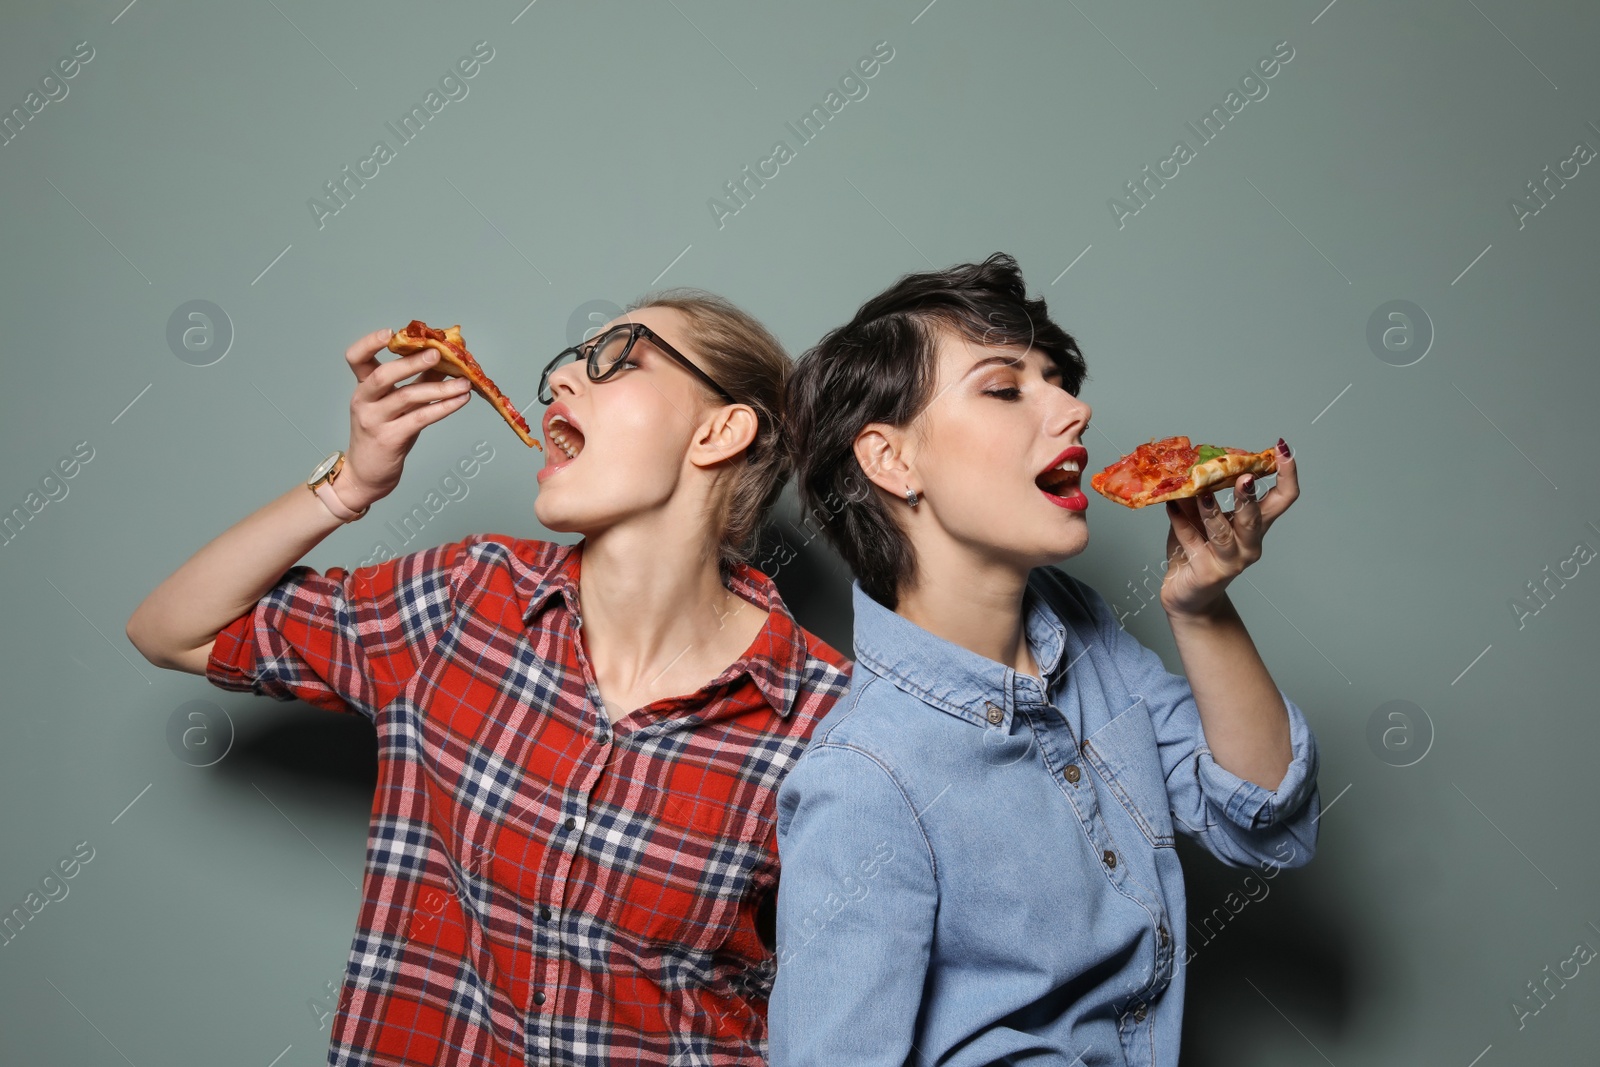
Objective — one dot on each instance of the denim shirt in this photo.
(975, 871)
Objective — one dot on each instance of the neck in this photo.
(648, 595)
(972, 602)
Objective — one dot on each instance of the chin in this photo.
(1062, 549)
(553, 517)
(576, 510)
(1043, 551)
(1058, 558)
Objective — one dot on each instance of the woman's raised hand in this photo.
(1208, 547)
(386, 417)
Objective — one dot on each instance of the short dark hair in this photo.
(880, 367)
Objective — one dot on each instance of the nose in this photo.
(566, 378)
(1070, 414)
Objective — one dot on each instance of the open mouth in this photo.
(1060, 481)
(566, 438)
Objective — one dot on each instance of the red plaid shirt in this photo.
(541, 885)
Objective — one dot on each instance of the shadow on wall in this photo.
(1246, 928)
(334, 753)
(813, 581)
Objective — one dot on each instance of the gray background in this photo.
(216, 913)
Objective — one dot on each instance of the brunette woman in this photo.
(978, 860)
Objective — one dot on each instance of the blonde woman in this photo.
(572, 855)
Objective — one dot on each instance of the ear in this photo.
(725, 433)
(880, 449)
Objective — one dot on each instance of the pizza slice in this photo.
(1172, 468)
(456, 362)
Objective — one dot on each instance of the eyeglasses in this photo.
(608, 353)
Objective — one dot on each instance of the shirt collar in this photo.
(776, 658)
(943, 673)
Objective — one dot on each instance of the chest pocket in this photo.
(1125, 751)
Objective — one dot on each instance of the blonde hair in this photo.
(750, 363)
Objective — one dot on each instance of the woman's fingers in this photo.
(377, 404)
(1186, 526)
(363, 355)
(1247, 524)
(1285, 491)
(412, 422)
(387, 375)
(1207, 547)
(385, 420)
(400, 400)
(1217, 526)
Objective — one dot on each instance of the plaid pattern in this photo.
(542, 886)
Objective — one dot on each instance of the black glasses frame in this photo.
(589, 351)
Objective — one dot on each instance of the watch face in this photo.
(324, 467)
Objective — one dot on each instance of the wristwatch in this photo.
(320, 483)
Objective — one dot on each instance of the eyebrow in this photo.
(1051, 368)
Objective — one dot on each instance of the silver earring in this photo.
(911, 497)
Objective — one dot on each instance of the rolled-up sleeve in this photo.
(1239, 821)
(1251, 806)
(344, 640)
(857, 898)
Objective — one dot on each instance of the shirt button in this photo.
(538, 998)
(1110, 858)
(1138, 1013)
(995, 714)
(544, 913)
(1073, 774)
(1161, 932)
(571, 823)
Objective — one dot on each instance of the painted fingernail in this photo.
(1283, 448)
(1172, 507)
(1207, 500)
(1247, 488)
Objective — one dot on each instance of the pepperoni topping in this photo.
(1154, 468)
(416, 332)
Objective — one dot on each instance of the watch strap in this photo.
(323, 488)
(330, 499)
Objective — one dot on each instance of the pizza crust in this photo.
(1224, 470)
